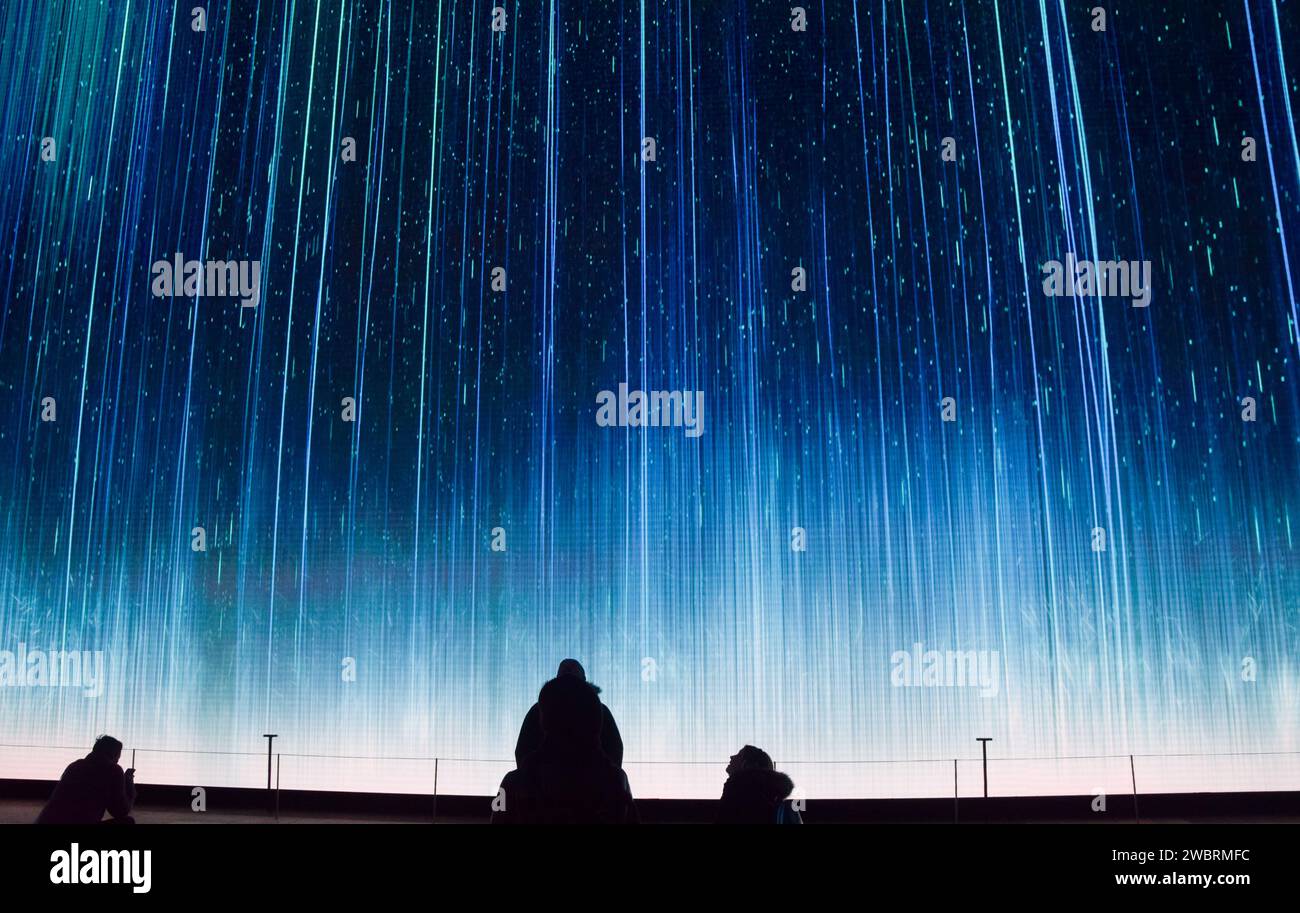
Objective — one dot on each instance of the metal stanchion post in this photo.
(954, 790)
(1133, 777)
(984, 749)
(270, 799)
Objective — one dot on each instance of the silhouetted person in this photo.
(530, 734)
(755, 792)
(569, 779)
(91, 786)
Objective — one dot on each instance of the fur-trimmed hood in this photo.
(758, 784)
(752, 796)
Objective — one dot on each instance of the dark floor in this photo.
(24, 811)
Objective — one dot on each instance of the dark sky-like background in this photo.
(775, 149)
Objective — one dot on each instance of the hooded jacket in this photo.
(530, 735)
(565, 784)
(754, 795)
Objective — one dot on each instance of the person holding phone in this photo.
(92, 786)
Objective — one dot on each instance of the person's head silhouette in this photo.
(107, 749)
(571, 667)
(750, 758)
(570, 712)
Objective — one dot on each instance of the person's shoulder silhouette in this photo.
(755, 792)
(568, 779)
(530, 733)
(92, 786)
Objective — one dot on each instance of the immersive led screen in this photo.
(851, 380)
